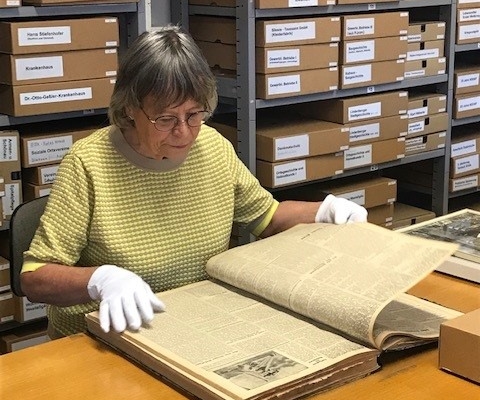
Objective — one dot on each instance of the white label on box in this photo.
(465, 164)
(357, 156)
(55, 96)
(4, 266)
(283, 84)
(44, 36)
(418, 112)
(291, 147)
(48, 149)
(44, 192)
(468, 80)
(39, 67)
(470, 14)
(365, 111)
(423, 54)
(48, 174)
(470, 103)
(9, 149)
(302, 3)
(360, 51)
(357, 74)
(33, 310)
(466, 1)
(23, 344)
(358, 196)
(465, 183)
(370, 131)
(415, 38)
(415, 127)
(13, 3)
(6, 296)
(465, 147)
(5, 288)
(360, 27)
(466, 32)
(414, 74)
(283, 58)
(289, 173)
(11, 200)
(290, 32)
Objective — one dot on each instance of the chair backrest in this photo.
(23, 224)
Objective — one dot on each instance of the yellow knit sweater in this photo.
(108, 205)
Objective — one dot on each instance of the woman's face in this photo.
(173, 144)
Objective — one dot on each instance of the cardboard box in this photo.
(466, 105)
(40, 147)
(7, 307)
(464, 183)
(424, 104)
(418, 173)
(374, 153)
(375, 73)
(10, 171)
(381, 215)
(425, 50)
(284, 32)
(420, 144)
(4, 275)
(468, 14)
(272, 175)
(425, 31)
(47, 98)
(262, 4)
(2, 187)
(40, 175)
(406, 215)
(364, 26)
(373, 50)
(10, 3)
(25, 310)
(21, 339)
(367, 192)
(377, 129)
(58, 67)
(466, 140)
(31, 191)
(466, 79)
(30, 37)
(67, 2)
(468, 3)
(429, 67)
(362, 1)
(296, 83)
(212, 29)
(468, 32)
(464, 165)
(459, 346)
(429, 124)
(358, 108)
(294, 58)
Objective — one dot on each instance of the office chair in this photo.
(23, 224)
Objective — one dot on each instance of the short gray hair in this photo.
(166, 64)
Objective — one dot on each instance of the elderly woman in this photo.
(140, 206)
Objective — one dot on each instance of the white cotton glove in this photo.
(337, 210)
(125, 298)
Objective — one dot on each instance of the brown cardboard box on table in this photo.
(29, 37)
(459, 346)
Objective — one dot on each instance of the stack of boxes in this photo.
(426, 49)
(54, 66)
(427, 122)
(465, 158)
(10, 172)
(467, 83)
(7, 305)
(373, 49)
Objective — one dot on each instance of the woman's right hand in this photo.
(126, 300)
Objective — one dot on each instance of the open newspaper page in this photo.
(231, 346)
(340, 275)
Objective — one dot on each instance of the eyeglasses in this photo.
(167, 123)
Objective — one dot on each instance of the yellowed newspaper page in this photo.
(241, 347)
(340, 275)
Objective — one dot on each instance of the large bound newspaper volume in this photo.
(297, 313)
